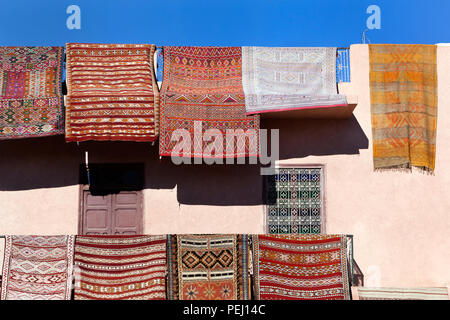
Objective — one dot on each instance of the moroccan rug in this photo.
(300, 267)
(37, 268)
(112, 92)
(294, 201)
(402, 293)
(31, 100)
(120, 267)
(208, 267)
(281, 79)
(403, 94)
(202, 95)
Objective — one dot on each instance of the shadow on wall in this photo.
(51, 162)
(318, 137)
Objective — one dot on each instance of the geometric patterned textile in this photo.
(300, 267)
(280, 79)
(208, 267)
(120, 267)
(294, 203)
(31, 100)
(202, 90)
(112, 92)
(402, 293)
(37, 268)
(343, 65)
(403, 94)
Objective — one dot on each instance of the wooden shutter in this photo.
(127, 212)
(120, 213)
(96, 215)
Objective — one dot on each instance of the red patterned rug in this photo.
(120, 267)
(202, 95)
(112, 92)
(300, 267)
(37, 268)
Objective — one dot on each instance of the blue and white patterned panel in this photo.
(343, 65)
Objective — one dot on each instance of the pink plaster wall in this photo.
(400, 221)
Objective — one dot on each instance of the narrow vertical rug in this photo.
(300, 267)
(31, 100)
(202, 100)
(282, 79)
(208, 267)
(120, 267)
(112, 92)
(403, 95)
(37, 268)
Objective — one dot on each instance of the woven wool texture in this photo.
(402, 293)
(208, 267)
(37, 268)
(120, 267)
(403, 94)
(281, 79)
(112, 92)
(300, 267)
(30, 92)
(202, 90)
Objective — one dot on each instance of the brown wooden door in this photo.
(120, 213)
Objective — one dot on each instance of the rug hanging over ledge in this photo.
(281, 79)
(120, 267)
(112, 93)
(208, 267)
(300, 267)
(202, 95)
(365, 293)
(31, 100)
(37, 268)
(403, 94)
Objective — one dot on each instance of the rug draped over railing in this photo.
(281, 79)
(402, 293)
(112, 92)
(208, 267)
(37, 268)
(120, 267)
(403, 94)
(300, 267)
(201, 101)
(31, 100)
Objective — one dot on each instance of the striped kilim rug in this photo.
(37, 268)
(112, 92)
(208, 267)
(403, 94)
(281, 79)
(402, 293)
(31, 100)
(300, 267)
(120, 267)
(201, 101)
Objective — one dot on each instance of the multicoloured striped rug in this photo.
(300, 267)
(120, 267)
(112, 92)
(31, 100)
(403, 95)
(208, 267)
(201, 101)
(282, 79)
(37, 268)
(403, 293)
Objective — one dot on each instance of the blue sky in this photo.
(224, 22)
